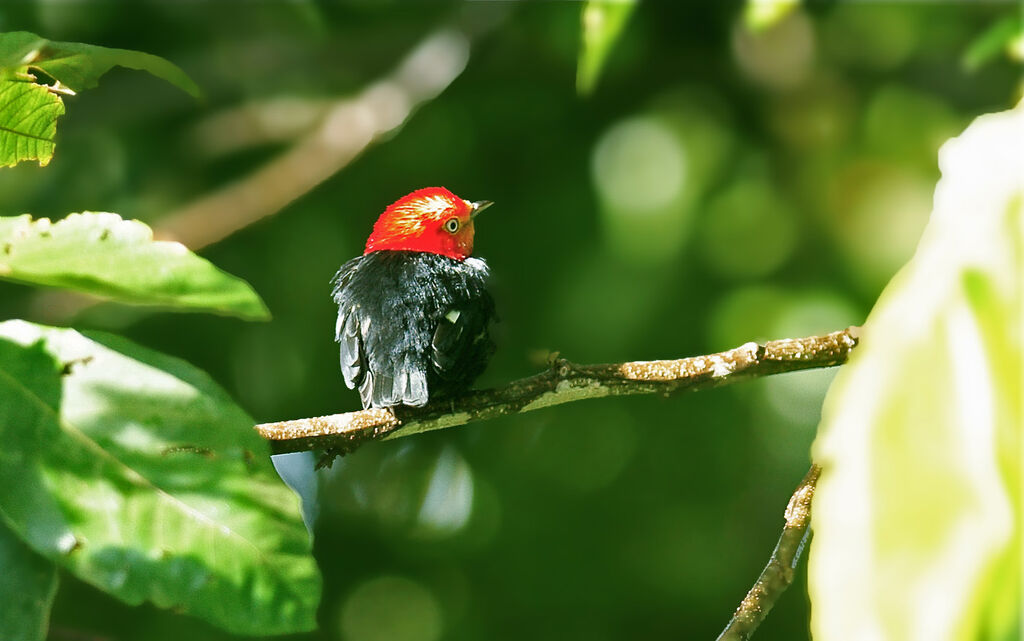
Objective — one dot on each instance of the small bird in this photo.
(414, 312)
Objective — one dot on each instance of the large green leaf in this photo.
(917, 516)
(136, 473)
(602, 24)
(102, 254)
(29, 107)
(28, 583)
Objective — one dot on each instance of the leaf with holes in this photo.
(137, 474)
(104, 255)
(28, 583)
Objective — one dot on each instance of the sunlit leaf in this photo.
(28, 122)
(602, 24)
(28, 583)
(102, 254)
(34, 72)
(136, 473)
(918, 512)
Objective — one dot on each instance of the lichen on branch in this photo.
(563, 382)
(781, 568)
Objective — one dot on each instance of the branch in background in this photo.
(563, 383)
(778, 574)
(347, 129)
(269, 121)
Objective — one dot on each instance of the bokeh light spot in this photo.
(390, 608)
(778, 57)
(745, 314)
(748, 231)
(907, 125)
(881, 211)
(638, 165)
(448, 502)
(640, 172)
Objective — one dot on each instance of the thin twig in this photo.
(562, 383)
(778, 574)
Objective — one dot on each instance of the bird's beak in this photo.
(478, 206)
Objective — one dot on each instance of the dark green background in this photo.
(634, 518)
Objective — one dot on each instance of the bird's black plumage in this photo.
(412, 326)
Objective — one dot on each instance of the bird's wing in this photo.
(350, 339)
(461, 334)
(374, 358)
(348, 330)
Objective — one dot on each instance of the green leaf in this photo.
(137, 474)
(917, 516)
(1005, 35)
(102, 254)
(79, 66)
(29, 107)
(28, 122)
(28, 583)
(602, 24)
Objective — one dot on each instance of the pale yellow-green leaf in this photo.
(917, 517)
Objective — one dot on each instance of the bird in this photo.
(414, 312)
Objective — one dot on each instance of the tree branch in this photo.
(348, 126)
(778, 574)
(562, 383)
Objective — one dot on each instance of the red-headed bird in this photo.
(413, 311)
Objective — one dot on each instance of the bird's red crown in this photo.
(432, 220)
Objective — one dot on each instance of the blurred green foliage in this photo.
(602, 22)
(718, 185)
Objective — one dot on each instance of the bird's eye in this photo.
(451, 225)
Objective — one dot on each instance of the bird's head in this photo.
(432, 220)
